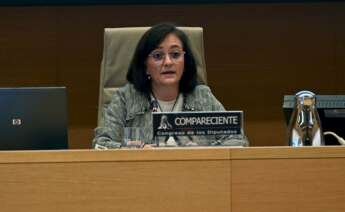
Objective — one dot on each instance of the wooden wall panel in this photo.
(255, 53)
(340, 52)
(28, 43)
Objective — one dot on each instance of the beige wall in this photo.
(255, 53)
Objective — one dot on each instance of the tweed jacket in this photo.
(131, 108)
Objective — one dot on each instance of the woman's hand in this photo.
(149, 146)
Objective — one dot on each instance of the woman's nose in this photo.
(167, 60)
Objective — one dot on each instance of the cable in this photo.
(339, 139)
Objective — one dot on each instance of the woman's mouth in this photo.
(168, 72)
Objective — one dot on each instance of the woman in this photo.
(162, 77)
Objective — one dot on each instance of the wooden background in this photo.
(255, 53)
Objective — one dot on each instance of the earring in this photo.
(148, 77)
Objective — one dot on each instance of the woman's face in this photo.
(165, 64)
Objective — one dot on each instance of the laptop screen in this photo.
(33, 118)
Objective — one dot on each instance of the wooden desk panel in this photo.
(188, 179)
(180, 181)
(288, 185)
(288, 179)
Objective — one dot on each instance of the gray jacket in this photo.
(130, 108)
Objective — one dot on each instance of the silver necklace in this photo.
(161, 109)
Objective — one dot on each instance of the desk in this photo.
(188, 179)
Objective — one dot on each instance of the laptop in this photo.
(33, 118)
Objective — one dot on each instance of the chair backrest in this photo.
(118, 50)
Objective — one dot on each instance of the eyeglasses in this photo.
(159, 56)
